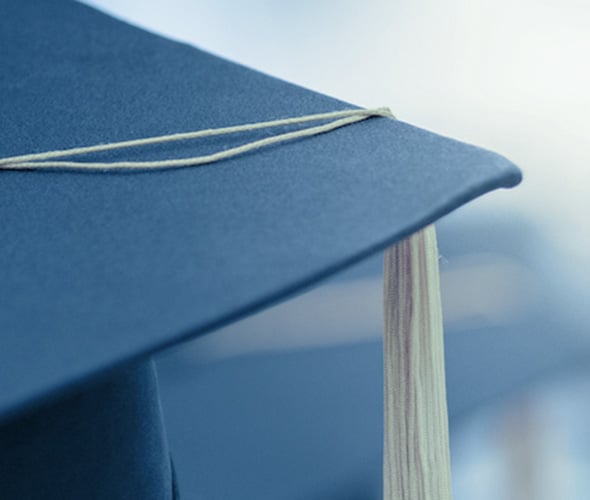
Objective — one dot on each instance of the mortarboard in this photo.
(101, 270)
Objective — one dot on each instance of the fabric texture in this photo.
(98, 269)
(298, 425)
(107, 442)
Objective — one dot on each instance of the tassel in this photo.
(416, 459)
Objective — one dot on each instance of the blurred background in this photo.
(512, 76)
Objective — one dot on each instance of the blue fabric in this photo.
(107, 442)
(302, 425)
(97, 269)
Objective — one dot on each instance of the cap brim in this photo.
(97, 269)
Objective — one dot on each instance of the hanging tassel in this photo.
(416, 461)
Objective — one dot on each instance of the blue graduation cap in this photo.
(101, 268)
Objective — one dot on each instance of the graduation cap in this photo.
(102, 268)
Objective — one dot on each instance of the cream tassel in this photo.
(416, 462)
